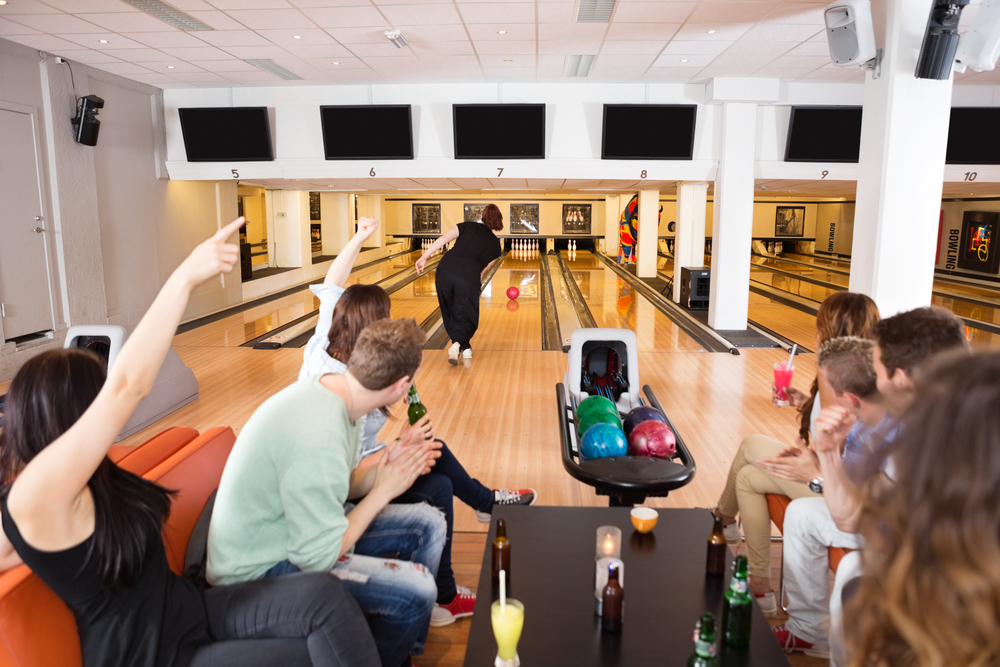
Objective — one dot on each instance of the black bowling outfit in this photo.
(458, 280)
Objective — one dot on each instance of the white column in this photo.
(689, 240)
(337, 222)
(733, 218)
(904, 135)
(612, 217)
(291, 227)
(645, 247)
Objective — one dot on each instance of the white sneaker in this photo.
(453, 354)
(768, 604)
(467, 353)
(732, 533)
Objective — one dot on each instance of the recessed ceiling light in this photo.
(336, 63)
(501, 32)
(508, 61)
(3, 2)
(683, 60)
(297, 36)
(103, 41)
(711, 32)
(170, 66)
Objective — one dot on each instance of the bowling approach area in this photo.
(498, 411)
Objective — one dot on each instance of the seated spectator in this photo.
(343, 314)
(840, 314)
(92, 531)
(281, 504)
(902, 343)
(929, 590)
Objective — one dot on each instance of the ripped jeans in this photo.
(391, 576)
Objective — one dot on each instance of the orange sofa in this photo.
(36, 627)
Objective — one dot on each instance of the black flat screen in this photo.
(648, 131)
(367, 132)
(499, 131)
(226, 134)
(824, 134)
(973, 136)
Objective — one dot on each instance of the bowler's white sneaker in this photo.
(453, 354)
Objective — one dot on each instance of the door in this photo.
(24, 275)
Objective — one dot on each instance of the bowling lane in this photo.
(417, 300)
(506, 324)
(822, 274)
(788, 284)
(793, 324)
(234, 330)
(614, 304)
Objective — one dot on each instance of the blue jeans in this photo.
(391, 575)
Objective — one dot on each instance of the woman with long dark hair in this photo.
(343, 315)
(92, 531)
(930, 590)
(840, 314)
(458, 278)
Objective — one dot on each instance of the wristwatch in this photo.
(816, 485)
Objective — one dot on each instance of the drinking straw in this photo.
(503, 591)
(790, 356)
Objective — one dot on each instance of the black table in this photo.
(666, 592)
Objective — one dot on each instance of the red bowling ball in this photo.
(652, 438)
(513, 292)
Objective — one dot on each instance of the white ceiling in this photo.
(450, 41)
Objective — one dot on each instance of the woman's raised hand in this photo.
(211, 257)
(367, 227)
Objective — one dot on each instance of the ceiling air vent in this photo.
(168, 14)
(578, 65)
(595, 11)
(274, 68)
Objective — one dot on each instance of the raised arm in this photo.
(47, 498)
(341, 267)
(442, 240)
(843, 497)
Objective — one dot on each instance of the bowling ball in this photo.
(512, 306)
(603, 440)
(513, 292)
(599, 403)
(641, 414)
(652, 438)
(584, 424)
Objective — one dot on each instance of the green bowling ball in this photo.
(597, 417)
(595, 404)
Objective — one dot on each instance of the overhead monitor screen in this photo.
(972, 136)
(370, 132)
(824, 134)
(648, 131)
(499, 131)
(226, 134)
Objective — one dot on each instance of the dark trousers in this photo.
(458, 297)
(306, 619)
(447, 479)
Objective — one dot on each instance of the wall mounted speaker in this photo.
(849, 32)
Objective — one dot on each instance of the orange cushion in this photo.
(36, 628)
(143, 458)
(776, 506)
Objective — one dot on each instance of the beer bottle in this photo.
(611, 599)
(416, 410)
(704, 643)
(737, 609)
(715, 561)
(501, 551)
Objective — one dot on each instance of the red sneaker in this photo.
(460, 607)
(791, 643)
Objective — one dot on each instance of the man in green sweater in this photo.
(281, 508)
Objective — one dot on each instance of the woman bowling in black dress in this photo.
(459, 276)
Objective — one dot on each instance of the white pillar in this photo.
(645, 247)
(733, 218)
(689, 241)
(612, 218)
(904, 136)
(337, 222)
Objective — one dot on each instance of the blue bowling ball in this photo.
(641, 414)
(603, 440)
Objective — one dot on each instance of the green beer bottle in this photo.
(416, 410)
(704, 643)
(737, 610)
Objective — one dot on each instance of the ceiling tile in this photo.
(345, 63)
(271, 19)
(568, 47)
(500, 61)
(556, 12)
(747, 47)
(422, 48)
(256, 52)
(723, 32)
(297, 37)
(660, 12)
(178, 66)
(800, 14)
(811, 49)
(714, 48)
(612, 60)
(122, 69)
(177, 38)
(12, 28)
(154, 79)
(631, 48)
(433, 33)
(577, 31)
(319, 51)
(35, 7)
(497, 12)
(505, 47)
(385, 49)
(600, 74)
(92, 41)
(740, 66)
(510, 73)
(832, 73)
(128, 22)
(390, 64)
(207, 77)
(421, 15)
(670, 74)
(731, 12)
(514, 32)
(311, 4)
(189, 5)
(226, 5)
(346, 17)
(56, 23)
(138, 55)
(551, 65)
(677, 59)
(777, 32)
(778, 72)
(233, 38)
(201, 53)
(449, 61)
(89, 56)
(650, 31)
(811, 62)
(359, 35)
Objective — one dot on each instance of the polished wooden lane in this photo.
(614, 304)
(511, 325)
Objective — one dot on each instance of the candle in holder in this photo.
(609, 541)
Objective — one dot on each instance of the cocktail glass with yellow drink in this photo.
(508, 619)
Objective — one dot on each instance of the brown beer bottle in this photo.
(501, 551)
(612, 598)
(715, 562)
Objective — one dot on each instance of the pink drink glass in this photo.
(782, 381)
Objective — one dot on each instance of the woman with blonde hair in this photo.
(930, 590)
